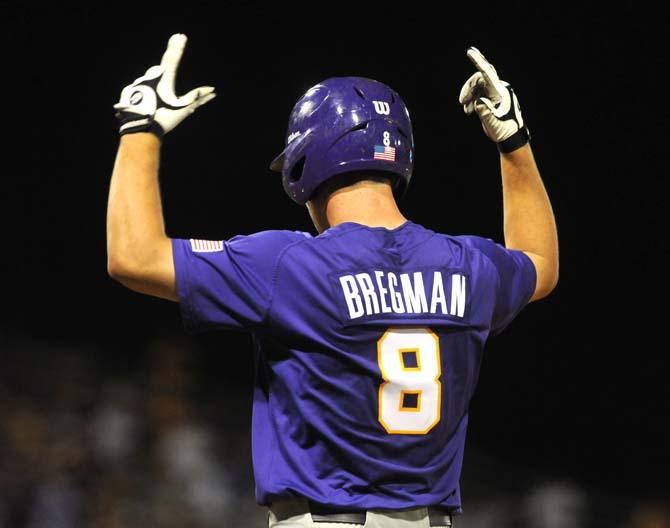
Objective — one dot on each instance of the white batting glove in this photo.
(495, 103)
(149, 104)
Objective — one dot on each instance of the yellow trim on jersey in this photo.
(436, 379)
(402, 408)
(402, 359)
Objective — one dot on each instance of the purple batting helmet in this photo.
(345, 124)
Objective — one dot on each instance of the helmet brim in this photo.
(277, 164)
(298, 143)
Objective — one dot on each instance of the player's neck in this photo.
(366, 203)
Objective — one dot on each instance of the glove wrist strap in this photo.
(142, 124)
(515, 141)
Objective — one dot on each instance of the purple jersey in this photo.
(368, 346)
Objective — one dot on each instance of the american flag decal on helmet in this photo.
(206, 246)
(384, 153)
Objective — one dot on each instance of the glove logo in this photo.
(136, 98)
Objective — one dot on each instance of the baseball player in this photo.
(368, 337)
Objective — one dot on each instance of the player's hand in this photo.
(149, 104)
(495, 103)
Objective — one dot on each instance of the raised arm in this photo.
(139, 253)
(529, 223)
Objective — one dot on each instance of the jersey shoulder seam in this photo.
(275, 275)
(468, 248)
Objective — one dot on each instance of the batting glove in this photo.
(149, 104)
(495, 103)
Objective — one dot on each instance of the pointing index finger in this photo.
(172, 55)
(484, 66)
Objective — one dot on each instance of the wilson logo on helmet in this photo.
(292, 137)
(382, 107)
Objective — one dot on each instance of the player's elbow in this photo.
(551, 278)
(546, 271)
(554, 281)
(115, 269)
(127, 273)
(150, 273)
(120, 268)
(546, 283)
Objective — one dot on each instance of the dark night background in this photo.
(576, 388)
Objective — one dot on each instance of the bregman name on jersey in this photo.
(381, 292)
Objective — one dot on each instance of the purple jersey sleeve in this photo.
(227, 284)
(516, 283)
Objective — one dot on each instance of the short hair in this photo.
(350, 178)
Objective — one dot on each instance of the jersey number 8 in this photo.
(410, 396)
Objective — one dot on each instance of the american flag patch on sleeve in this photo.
(206, 246)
